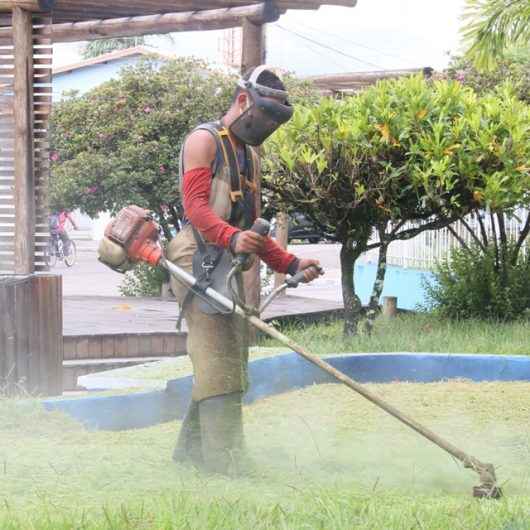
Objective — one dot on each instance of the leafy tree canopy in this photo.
(119, 143)
(404, 150)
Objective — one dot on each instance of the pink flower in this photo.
(54, 156)
(92, 189)
(460, 76)
(162, 169)
(147, 109)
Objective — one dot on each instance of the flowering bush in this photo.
(119, 143)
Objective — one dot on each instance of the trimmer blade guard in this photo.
(485, 491)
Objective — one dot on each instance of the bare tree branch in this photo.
(472, 233)
(523, 234)
(459, 238)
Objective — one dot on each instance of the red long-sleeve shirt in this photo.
(196, 189)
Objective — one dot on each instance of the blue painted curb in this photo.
(282, 373)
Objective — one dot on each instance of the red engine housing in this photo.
(135, 230)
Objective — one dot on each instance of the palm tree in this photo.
(102, 46)
(492, 26)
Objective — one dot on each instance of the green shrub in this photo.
(143, 280)
(471, 285)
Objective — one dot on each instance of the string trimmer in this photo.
(133, 237)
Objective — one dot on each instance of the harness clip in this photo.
(236, 195)
(207, 266)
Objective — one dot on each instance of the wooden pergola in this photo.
(30, 303)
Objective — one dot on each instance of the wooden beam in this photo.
(23, 152)
(146, 25)
(91, 9)
(253, 45)
(361, 77)
(282, 238)
(30, 5)
(253, 53)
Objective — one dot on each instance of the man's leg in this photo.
(222, 433)
(188, 448)
(218, 348)
(66, 242)
(217, 345)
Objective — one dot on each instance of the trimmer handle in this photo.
(299, 277)
(261, 227)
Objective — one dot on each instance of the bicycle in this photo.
(55, 251)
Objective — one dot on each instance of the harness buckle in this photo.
(207, 266)
(251, 185)
(236, 195)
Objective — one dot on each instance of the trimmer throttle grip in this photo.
(299, 277)
(262, 227)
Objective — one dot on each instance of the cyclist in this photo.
(58, 221)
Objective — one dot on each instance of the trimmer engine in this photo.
(130, 238)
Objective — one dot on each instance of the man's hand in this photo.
(311, 268)
(248, 242)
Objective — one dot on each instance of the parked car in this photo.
(301, 228)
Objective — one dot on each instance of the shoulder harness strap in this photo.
(224, 145)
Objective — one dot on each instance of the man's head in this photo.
(259, 107)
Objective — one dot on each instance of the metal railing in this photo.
(429, 247)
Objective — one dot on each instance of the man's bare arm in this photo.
(199, 153)
(199, 150)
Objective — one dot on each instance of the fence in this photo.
(31, 338)
(424, 250)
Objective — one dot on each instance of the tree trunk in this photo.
(495, 243)
(503, 237)
(164, 224)
(174, 218)
(377, 289)
(523, 234)
(352, 303)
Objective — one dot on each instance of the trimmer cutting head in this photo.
(485, 491)
(488, 488)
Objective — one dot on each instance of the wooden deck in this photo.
(100, 315)
(100, 333)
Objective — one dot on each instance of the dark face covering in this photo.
(268, 110)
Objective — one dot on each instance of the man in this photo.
(218, 171)
(57, 224)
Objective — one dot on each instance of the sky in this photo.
(374, 35)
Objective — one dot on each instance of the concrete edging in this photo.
(282, 373)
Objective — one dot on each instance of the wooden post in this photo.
(23, 149)
(390, 306)
(253, 45)
(31, 335)
(253, 54)
(282, 238)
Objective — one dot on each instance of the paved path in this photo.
(93, 305)
(90, 278)
(94, 315)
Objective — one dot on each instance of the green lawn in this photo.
(418, 333)
(324, 459)
(407, 332)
